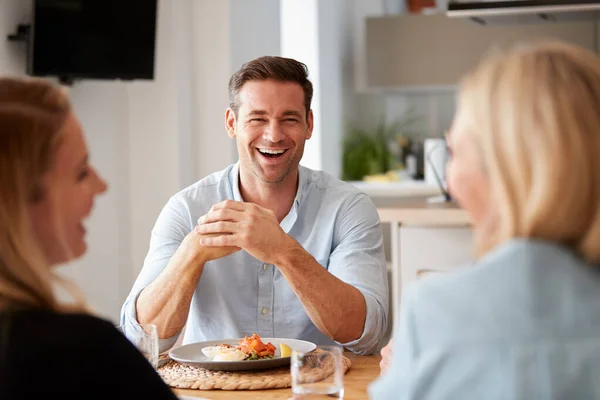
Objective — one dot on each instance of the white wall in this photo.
(300, 41)
(255, 36)
(12, 54)
(212, 66)
(102, 109)
(336, 79)
(157, 122)
(319, 33)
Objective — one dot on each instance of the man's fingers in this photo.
(230, 205)
(218, 227)
(240, 206)
(224, 240)
(220, 215)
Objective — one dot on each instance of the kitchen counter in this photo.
(421, 213)
(397, 189)
(409, 202)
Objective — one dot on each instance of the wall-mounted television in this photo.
(93, 39)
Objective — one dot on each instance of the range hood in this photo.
(524, 11)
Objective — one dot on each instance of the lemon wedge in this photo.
(286, 351)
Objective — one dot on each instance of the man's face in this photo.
(270, 129)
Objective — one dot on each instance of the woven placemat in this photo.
(183, 376)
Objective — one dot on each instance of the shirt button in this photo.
(265, 266)
(265, 311)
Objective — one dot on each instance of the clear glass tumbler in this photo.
(318, 374)
(145, 338)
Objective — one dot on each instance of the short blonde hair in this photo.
(32, 114)
(534, 111)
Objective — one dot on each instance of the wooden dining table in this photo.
(364, 370)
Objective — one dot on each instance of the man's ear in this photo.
(230, 122)
(311, 123)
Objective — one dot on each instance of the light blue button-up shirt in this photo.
(523, 323)
(239, 295)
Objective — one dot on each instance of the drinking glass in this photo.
(145, 338)
(318, 374)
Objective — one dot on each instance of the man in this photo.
(311, 264)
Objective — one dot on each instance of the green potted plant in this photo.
(367, 151)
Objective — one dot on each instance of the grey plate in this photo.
(191, 354)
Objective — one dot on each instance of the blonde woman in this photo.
(524, 322)
(47, 190)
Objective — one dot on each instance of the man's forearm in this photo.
(166, 301)
(336, 308)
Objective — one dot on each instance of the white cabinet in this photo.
(421, 249)
(423, 50)
(432, 249)
(417, 250)
(424, 237)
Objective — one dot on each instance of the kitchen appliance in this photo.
(436, 157)
(524, 11)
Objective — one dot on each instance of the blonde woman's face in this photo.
(70, 187)
(467, 181)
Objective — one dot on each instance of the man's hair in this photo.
(269, 67)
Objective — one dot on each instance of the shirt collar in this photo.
(234, 178)
(301, 181)
(292, 216)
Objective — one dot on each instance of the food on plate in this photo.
(235, 355)
(255, 348)
(249, 348)
(213, 351)
(285, 350)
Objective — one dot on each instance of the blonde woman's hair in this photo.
(534, 111)
(32, 114)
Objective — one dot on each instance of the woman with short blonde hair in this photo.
(47, 190)
(523, 322)
(538, 144)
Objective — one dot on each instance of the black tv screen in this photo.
(93, 39)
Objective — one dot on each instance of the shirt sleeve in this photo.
(397, 381)
(171, 227)
(358, 259)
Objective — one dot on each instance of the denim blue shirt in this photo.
(239, 295)
(523, 323)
